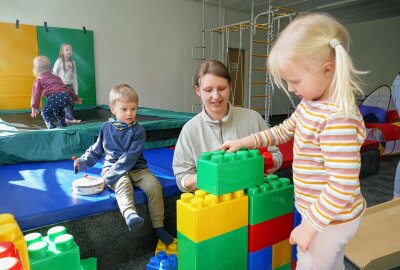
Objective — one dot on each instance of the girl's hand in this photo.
(302, 235)
(79, 101)
(34, 113)
(234, 145)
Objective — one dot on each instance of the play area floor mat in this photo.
(376, 244)
(23, 139)
(40, 194)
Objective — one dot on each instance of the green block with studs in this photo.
(223, 172)
(287, 266)
(55, 251)
(273, 198)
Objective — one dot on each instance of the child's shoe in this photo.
(164, 236)
(73, 120)
(134, 222)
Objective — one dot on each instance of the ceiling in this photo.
(347, 11)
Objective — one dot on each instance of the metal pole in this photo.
(251, 54)
(204, 32)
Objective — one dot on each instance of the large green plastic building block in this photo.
(287, 266)
(55, 251)
(226, 251)
(223, 172)
(89, 264)
(273, 198)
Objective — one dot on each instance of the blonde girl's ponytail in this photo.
(346, 82)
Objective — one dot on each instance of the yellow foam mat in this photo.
(18, 47)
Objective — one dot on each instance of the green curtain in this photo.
(83, 55)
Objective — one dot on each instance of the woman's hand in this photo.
(234, 145)
(79, 101)
(302, 235)
(191, 182)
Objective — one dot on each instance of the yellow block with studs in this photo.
(170, 249)
(10, 232)
(203, 216)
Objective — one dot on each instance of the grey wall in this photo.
(148, 44)
(376, 48)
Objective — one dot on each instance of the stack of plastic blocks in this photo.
(10, 232)
(55, 251)
(212, 231)
(271, 207)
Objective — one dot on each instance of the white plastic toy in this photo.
(87, 185)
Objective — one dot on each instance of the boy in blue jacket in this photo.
(121, 139)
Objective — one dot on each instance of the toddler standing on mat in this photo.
(50, 86)
(65, 68)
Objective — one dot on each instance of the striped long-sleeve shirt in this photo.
(326, 161)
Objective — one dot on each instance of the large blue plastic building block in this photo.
(163, 262)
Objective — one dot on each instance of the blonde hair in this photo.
(309, 41)
(61, 55)
(41, 64)
(123, 93)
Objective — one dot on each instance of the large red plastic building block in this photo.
(270, 232)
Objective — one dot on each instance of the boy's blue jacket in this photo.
(123, 151)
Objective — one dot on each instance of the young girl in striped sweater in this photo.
(310, 59)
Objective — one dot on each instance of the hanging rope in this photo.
(238, 63)
(221, 44)
(227, 46)
(269, 89)
(211, 44)
(278, 27)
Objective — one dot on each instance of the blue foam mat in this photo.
(40, 194)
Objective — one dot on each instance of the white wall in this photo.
(376, 48)
(146, 43)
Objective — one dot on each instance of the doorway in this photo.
(236, 68)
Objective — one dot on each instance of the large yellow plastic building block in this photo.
(10, 232)
(281, 254)
(170, 249)
(203, 216)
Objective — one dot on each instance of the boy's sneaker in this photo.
(164, 236)
(134, 222)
